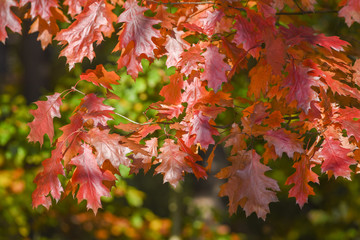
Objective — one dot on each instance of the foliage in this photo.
(302, 100)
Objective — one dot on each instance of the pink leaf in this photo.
(89, 176)
(43, 118)
(200, 127)
(96, 19)
(284, 142)
(351, 12)
(215, 68)
(8, 19)
(173, 164)
(40, 8)
(174, 46)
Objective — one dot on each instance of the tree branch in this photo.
(307, 12)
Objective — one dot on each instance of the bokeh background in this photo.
(141, 206)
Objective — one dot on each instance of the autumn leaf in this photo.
(100, 76)
(201, 128)
(8, 19)
(190, 60)
(172, 91)
(260, 78)
(351, 12)
(284, 141)
(96, 19)
(47, 181)
(43, 118)
(174, 46)
(89, 176)
(215, 68)
(247, 185)
(302, 176)
(41, 8)
(172, 163)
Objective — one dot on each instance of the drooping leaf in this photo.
(8, 19)
(202, 129)
(41, 8)
(96, 19)
(89, 176)
(174, 46)
(351, 12)
(47, 181)
(247, 185)
(172, 91)
(43, 118)
(172, 163)
(284, 141)
(302, 176)
(100, 76)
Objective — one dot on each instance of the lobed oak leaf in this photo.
(299, 83)
(96, 19)
(96, 112)
(215, 68)
(108, 147)
(172, 91)
(47, 181)
(145, 160)
(190, 60)
(356, 75)
(247, 35)
(100, 76)
(335, 158)
(260, 78)
(201, 128)
(129, 60)
(166, 18)
(302, 176)
(43, 118)
(193, 92)
(236, 139)
(41, 8)
(284, 141)
(169, 111)
(351, 12)
(75, 6)
(174, 46)
(247, 185)
(138, 28)
(207, 21)
(8, 19)
(172, 163)
(345, 117)
(89, 176)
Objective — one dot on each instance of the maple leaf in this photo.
(47, 181)
(43, 118)
(284, 142)
(96, 19)
(351, 12)
(335, 158)
(172, 163)
(8, 19)
(89, 176)
(108, 147)
(172, 91)
(174, 46)
(100, 76)
(215, 68)
(138, 28)
(299, 83)
(302, 176)
(247, 185)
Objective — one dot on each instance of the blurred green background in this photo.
(141, 206)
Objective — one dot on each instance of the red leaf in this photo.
(351, 12)
(41, 8)
(335, 158)
(75, 6)
(284, 142)
(129, 60)
(100, 76)
(174, 46)
(200, 126)
(89, 176)
(236, 139)
(302, 176)
(193, 92)
(47, 181)
(299, 83)
(260, 78)
(215, 68)
(108, 147)
(96, 19)
(190, 60)
(173, 164)
(146, 161)
(207, 22)
(97, 112)
(43, 118)
(8, 19)
(275, 53)
(138, 29)
(247, 185)
(346, 119)
(172, 91)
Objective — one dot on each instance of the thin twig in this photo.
(307, 12)
(179, 3)
(120, 115)
(76, 90)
